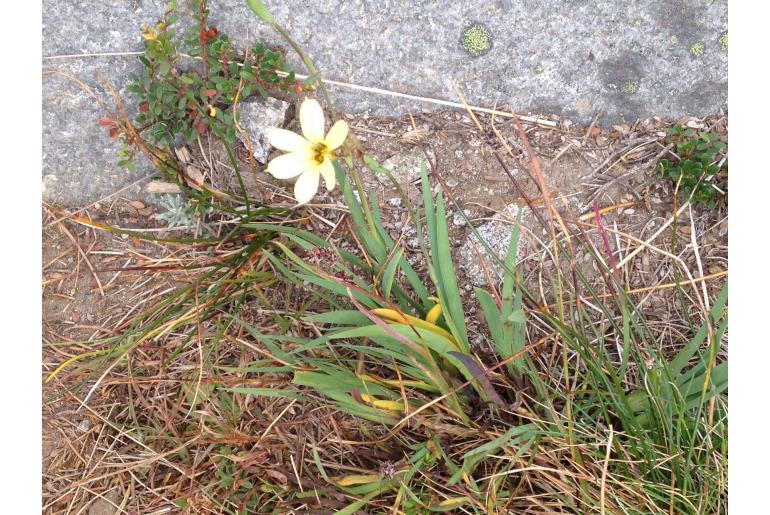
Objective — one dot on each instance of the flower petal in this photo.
(287, 140)
(337, 135)
(311, 118)
(289, 165)
(327, 170)
(306, 186)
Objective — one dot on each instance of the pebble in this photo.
(458, 220)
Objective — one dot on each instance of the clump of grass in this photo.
(294, 374)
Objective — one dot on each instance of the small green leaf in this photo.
(390, 272)
(517, 317)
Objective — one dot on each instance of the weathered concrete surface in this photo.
(79, 159)
(573, 58)
(631, 59)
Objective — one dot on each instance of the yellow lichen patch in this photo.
(698, 49)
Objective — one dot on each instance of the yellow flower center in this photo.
(320, 151)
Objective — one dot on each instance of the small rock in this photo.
(256, 118)
(394, 202)
(497, 234)
(137, 205)
(629, 211)
(106, 505)
(458, 220)
(404, 166)
(84, 425)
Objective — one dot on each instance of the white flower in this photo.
(310, 156)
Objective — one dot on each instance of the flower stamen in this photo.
(320, 151)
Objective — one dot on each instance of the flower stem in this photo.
(237, 175)
(309, 63)
(314, 72)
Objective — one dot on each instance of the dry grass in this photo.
(152, 418)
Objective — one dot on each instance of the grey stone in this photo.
(79, 158)
(404, 166)
(107, 504)
(572, 58)
(458, 220)
(497, 234)
(256, 117)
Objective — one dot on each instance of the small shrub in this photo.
(700, 172)
(177, 98)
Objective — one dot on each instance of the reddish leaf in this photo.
(480, 376)
(209, 92)
(105, 122)
(144, 108)
(114, 133)
(202, 128)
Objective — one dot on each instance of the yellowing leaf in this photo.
(357, 479)
(401, 318)
(454, 502)
(383, 404)
(433, 314)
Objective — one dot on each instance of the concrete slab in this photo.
(572, 58)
